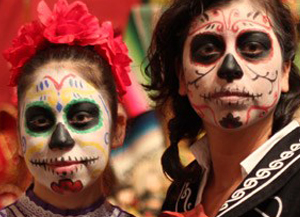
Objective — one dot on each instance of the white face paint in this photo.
(65, 126)
(233, 66)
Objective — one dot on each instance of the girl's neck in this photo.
(81, 200)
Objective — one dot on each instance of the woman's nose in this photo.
(230, 69)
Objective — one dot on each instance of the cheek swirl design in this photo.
(266, 77)
(201, 75)
(200, 111)
(264, 109)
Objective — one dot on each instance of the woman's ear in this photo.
(120, 131)
(285, 76)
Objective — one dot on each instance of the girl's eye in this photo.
(39, 119)
(83, 115)
(81, 119)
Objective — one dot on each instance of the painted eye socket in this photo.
(81, 119)
(39, 119)
(83, 115)
(254, 45)
(206, 49)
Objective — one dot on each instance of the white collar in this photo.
(200, 150)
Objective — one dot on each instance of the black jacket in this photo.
(272, 189)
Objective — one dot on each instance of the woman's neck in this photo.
(81, 200)
(229, 148)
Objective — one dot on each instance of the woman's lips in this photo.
(232, 97)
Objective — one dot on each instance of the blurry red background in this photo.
(14, 13)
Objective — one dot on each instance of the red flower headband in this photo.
(73, 25)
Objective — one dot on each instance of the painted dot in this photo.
(46, 83)
(41, 85)
(23, 144)
(81, 84)
(71, 82)
(74, 95)
(59, 107)
(106, 138)
(75, 83)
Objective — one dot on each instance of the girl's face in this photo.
(233, 71)
(65, 127)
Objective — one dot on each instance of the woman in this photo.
(69, 71)
(226, 67)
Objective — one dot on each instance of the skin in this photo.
(65, 127)
(233, 73)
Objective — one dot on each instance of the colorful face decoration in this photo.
(65, 126)
(232, 66)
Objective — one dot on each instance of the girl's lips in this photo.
(65, 168)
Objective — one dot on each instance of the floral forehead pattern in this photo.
(234, 22)
(70, 24)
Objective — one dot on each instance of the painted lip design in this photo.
(62, 165)
(230, 95)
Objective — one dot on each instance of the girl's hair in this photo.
(165, 59)
(90, 65)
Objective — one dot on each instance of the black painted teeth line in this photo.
(84, 160)
(209, 96)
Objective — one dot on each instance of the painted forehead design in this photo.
(217, 20)
(58, 91)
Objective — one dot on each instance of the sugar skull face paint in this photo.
(65, 130)
(233, 71)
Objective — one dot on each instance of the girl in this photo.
(69, 71)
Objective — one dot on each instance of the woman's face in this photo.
(65, 127)
(233, 71)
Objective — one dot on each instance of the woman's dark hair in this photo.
(90, 65)
(165, 61)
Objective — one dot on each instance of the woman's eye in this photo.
(254, 45)
(206, 49)
(252, 49)
(81, 118)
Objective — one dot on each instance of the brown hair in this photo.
(165, 59)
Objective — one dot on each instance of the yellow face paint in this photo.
(59, 96)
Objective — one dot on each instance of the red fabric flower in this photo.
(73, 25)
(24, 46)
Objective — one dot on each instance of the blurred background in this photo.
(140, 185)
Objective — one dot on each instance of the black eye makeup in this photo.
(39, 119)
(254, 45)
(207, 48)
(83, 115)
